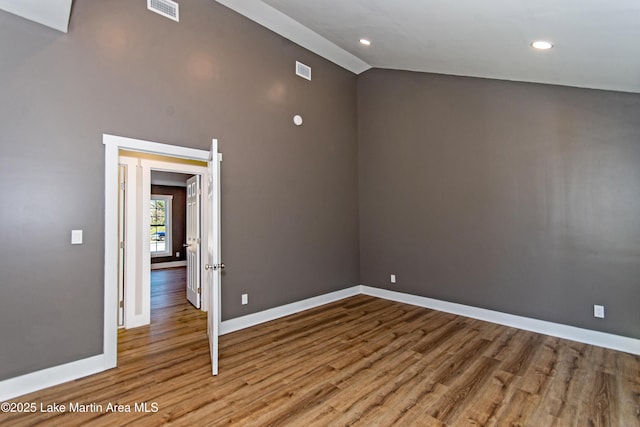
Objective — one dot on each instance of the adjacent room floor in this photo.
(359, 361)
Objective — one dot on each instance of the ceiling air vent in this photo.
(303, 71)
(165, 8)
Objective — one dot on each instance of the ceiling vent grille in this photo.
(167, 8)
(303, 71)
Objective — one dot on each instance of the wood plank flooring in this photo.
(360, 361)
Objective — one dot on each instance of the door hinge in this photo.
(121, 245)
(199, 290)
(121, 304)
(122, 187)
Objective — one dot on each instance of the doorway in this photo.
(159, 189)
(212, 265)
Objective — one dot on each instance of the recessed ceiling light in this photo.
(542, 45)
(365, 42)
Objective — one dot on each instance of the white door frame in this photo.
(122, 205)
(132, 189)
(113, 145)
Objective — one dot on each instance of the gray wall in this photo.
(289, 194)
(515, 197)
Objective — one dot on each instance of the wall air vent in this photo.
(167, 8)
(303, 71)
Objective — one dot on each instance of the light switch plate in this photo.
(76, 237)
(598, 311)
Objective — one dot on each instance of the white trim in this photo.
(249, 320)
(34, 381)
(39, 380)
(169, 264)
(110, 335)
(131, 239)
(289, 28)
(586, 336)
(142, 146)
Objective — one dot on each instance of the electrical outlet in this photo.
(598, 311)
(393, 278)
(177, 254)
(245, 299)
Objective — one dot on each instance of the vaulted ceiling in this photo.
(596, 42)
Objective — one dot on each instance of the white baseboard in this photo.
(28, 383)
(170, 264)
(24, 384)
(249, 320)
(586, 336)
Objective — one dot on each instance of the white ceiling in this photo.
(52, 13)
(597, 42)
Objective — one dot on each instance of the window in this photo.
(160, 230)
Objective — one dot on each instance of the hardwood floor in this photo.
(360, 361)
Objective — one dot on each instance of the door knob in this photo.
(214, 266)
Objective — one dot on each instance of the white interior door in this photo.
(214, 266)
(193, 241)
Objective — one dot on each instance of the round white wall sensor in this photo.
(297, 119)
